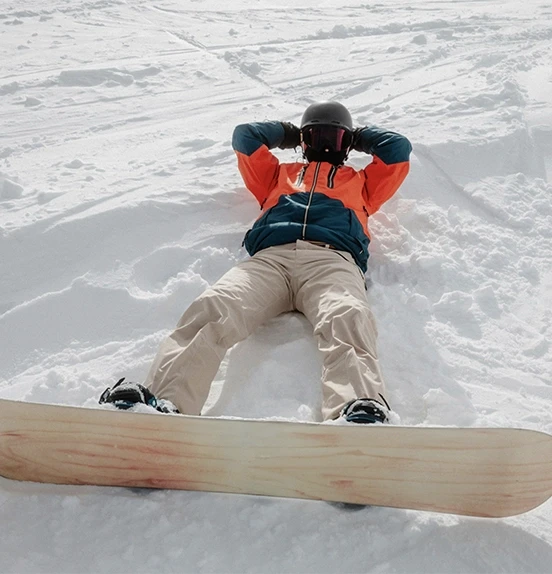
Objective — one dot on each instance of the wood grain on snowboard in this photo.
(471, 471)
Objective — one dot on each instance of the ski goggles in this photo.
(327, 138)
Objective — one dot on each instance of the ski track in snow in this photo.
(120, 202)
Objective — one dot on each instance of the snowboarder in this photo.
(309, 253)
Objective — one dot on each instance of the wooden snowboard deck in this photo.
(470, 471)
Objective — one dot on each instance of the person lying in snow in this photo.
(309, 253)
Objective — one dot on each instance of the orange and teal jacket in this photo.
(318, 201)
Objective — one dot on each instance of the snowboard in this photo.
(487, 472)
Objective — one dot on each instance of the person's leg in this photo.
(331, 293)
(226, 313)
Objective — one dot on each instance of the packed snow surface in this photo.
(120, 201)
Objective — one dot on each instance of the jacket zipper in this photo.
(310, 200)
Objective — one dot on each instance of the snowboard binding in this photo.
(125, 395)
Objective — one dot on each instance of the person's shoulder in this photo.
(350, 170)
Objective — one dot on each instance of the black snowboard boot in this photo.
(366, 411)
(124, 395)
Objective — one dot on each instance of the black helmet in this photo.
(326, 132)
(327, 113)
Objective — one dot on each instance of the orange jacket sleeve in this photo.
(259, 168)
(390, 165)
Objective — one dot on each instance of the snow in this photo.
(120, 202)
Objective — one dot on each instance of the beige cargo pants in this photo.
(323, 284)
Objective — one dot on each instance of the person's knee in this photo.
(354, 316)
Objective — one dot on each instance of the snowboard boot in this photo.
(366, 411)
(124, 395)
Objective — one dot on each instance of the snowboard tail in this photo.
(469, 471)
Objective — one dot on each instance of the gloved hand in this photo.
(357, 140)
(292, 136)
